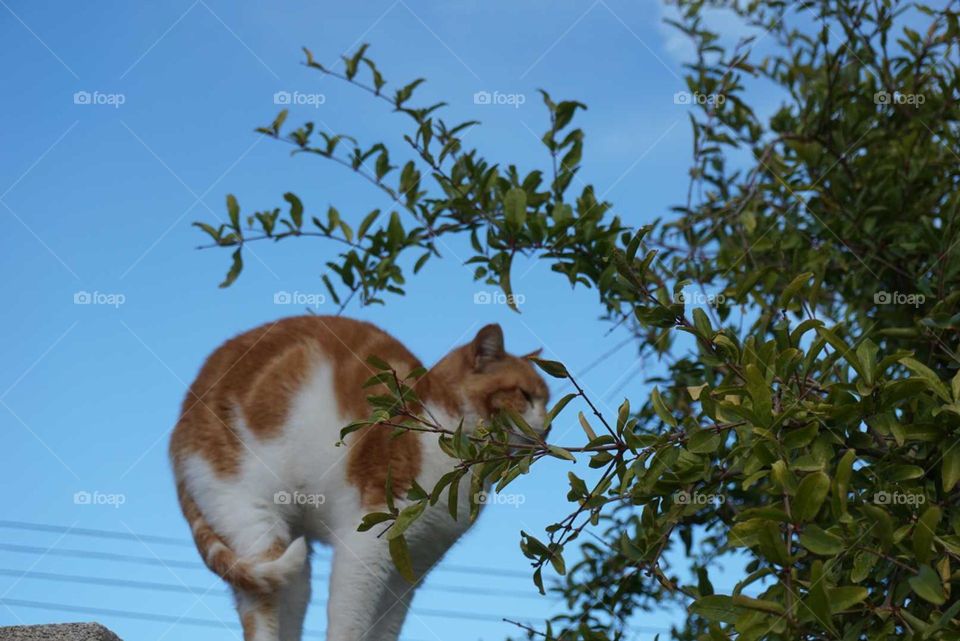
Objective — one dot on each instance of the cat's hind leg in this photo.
(294, 598)
(251, 548)
(276, 613)
(258, 615)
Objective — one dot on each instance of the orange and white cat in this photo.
(258, 473)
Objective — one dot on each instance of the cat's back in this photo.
(256, 376)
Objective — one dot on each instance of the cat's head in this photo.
(484, 379)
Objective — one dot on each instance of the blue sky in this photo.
(98, 199)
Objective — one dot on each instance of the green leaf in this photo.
(296, 209)
(585, 424)
(235, 269)
(517, 419)
(702, 323)
(882, 524)
(760, 393)
(279, 120)
(561, 453)
(923, 533)
(367, 221)
(772, 544)
(760, 605)
(704, 442)
(820, 541)
(842, 477)
(867, 354)
(378, 362)
(845, 352)
(406, 517)
(553, 368)
(716, 607)
(401, 558)
(817, 600)
(928, 376)
(661, 408)
(927, 585)
(845, 597)
(791, 289)
(950, 466)
(233, 210)
(369, 520)
(556, 409)
(811, 492)
(863, 563)
(515, 207)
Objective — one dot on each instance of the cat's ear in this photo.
(534, 354)
(487, 346)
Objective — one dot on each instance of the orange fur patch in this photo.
(258, 374)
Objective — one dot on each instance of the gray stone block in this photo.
(58, 632)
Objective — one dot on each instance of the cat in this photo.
(259, 474)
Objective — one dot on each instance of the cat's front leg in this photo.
(368, 597)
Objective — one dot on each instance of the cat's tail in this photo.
(260, 574)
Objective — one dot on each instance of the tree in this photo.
(810, 418)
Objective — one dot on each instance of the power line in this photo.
(195, 621)
(165, 540)
(170, 563)
(139, 616)
(168, 587)
(101, 534)
(319, 578)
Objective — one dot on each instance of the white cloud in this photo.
(725, 23)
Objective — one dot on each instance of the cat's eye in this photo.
(527, 396)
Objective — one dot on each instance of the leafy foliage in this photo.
(810, 417)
